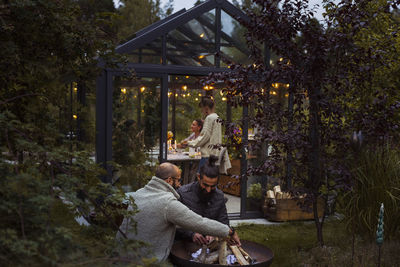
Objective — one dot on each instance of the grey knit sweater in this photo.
(159, 213)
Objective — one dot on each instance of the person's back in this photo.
(150, 200)
(159, 211)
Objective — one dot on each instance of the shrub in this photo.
(377, 180)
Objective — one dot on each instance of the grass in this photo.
(295, 244)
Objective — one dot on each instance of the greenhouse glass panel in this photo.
(193, 44)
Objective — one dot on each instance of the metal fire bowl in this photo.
(181, 254)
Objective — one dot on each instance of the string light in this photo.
(224, 98)
(273, 93)
(74, 116)
(187, 77)
(184, 87)
(286, 95)
(123, 90)
(201, 56)
(221, 93)
(196, 99)
(202, 35)
(142, 89)
(199, 94)
(75, 89)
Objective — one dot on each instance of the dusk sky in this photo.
(179, 4)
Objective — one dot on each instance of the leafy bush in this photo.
(377, 180)
(255, 191)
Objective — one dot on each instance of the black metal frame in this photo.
(143, 37)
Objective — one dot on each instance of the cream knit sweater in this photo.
(160, 212)
(209, 136)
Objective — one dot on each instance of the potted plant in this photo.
(254, 197)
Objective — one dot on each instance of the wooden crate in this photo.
(289, 210)
(229, 185)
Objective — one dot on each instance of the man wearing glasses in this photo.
(204, 198)
(160, 212)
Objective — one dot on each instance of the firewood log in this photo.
(222, 253)
(239, 256)
(202, 256)
(245, 254)
(213, 245)
(212, 257)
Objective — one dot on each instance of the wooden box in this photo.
(289, 210)
(229, 185)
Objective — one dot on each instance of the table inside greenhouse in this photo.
(183, 159)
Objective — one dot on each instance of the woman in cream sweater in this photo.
(210, 135)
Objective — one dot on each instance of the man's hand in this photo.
(199, 239)
(235, 240)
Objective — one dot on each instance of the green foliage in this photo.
(255, 191)
(137, 14)
(377, 180)
(45, 185)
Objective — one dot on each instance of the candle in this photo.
(175, 144)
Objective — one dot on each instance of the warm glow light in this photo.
(223, 99)
(142, 110)
(74, 116)
(221, 93)
(262, 90)
(169, 94)
(201, 56)
(205, 87)
(187, 77)
(75, 89)
(275, 85)
(183, 95)
(142, 89)
(211, 87)
(287, 85)
(273, 93)
(176, 95)
(184, 87)
(202, 35)
(188, 94)
(196, 99)
(286, 95)
(281, 59)
(199, 94)
(123, 90)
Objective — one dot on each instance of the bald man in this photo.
(160, 211)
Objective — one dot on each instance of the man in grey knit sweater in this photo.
(160, 211)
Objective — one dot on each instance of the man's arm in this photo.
(177, 213)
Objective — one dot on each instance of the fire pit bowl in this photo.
(181, 254)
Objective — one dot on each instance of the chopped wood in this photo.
(279, 195)
(239, 256)
(277, 189)
(202, 256)
(212, 257)
(245, 254)
(213, 244)
(222, 253)
(270, 194)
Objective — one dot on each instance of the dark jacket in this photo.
(213, 209)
